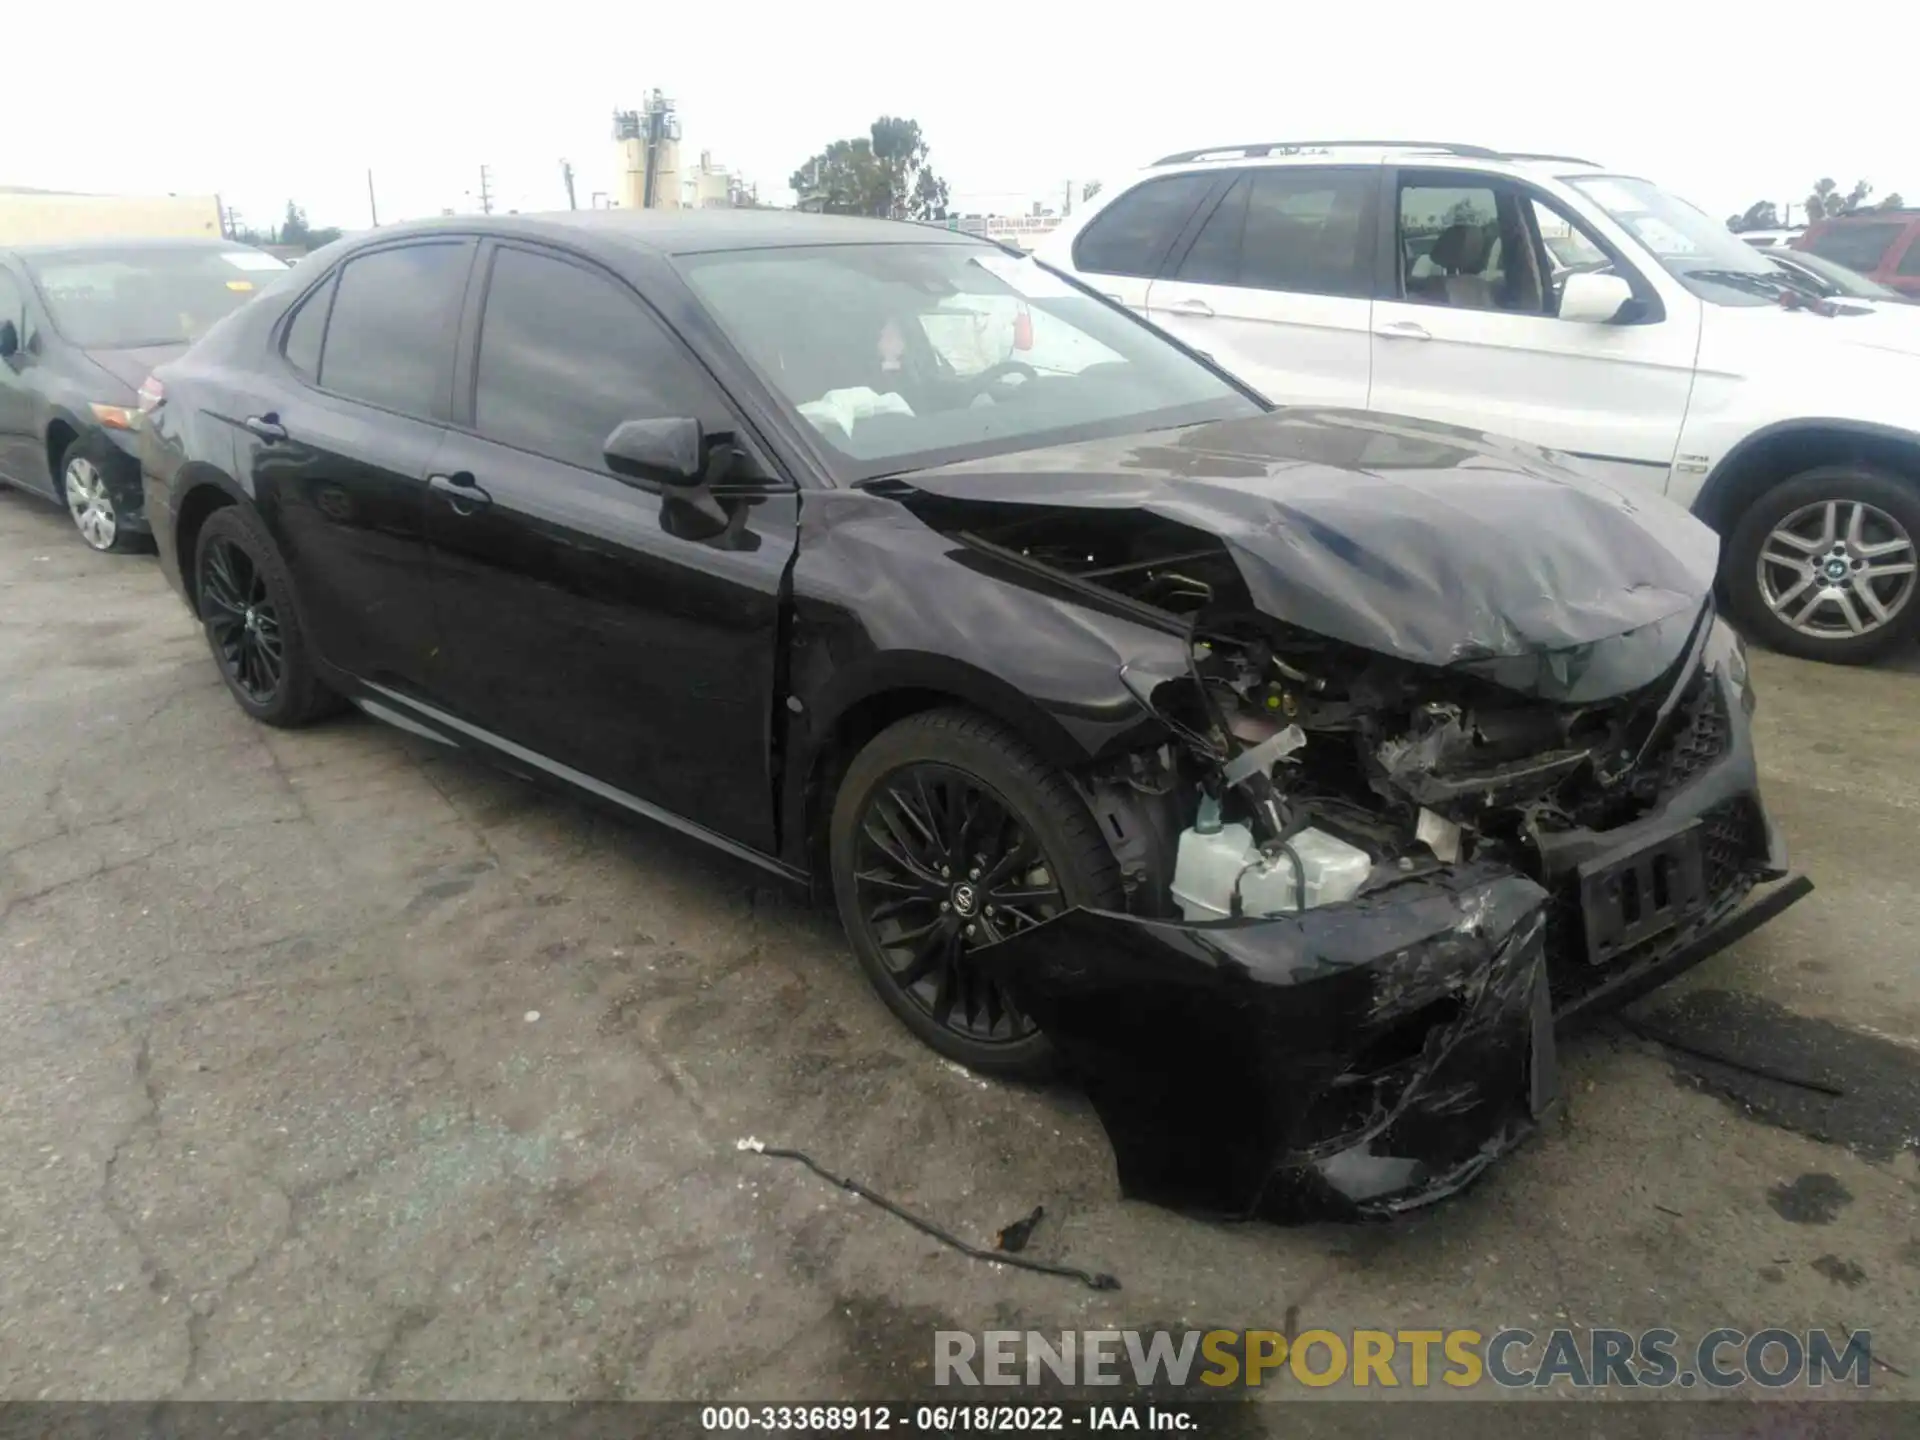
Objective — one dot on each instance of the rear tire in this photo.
(1822, 566)
(948, 832)
(246, 604)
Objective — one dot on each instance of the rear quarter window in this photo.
(1132, 235)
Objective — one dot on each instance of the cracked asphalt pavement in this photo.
(334, 1065)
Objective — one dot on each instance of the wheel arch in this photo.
(62, 431)
(202, 490)
(1778, 452)
(859, 706)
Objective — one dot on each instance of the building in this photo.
(649, 164)
(29, 216)
(1022, 230)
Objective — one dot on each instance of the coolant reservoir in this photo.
(1211, 863)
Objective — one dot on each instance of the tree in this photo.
(883, 173)
(1761, 215)
(1826, 201)
(294, 230)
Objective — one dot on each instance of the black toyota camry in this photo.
(1288, 774)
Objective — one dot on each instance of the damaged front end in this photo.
(1364, 876)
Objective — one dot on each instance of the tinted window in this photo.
(1910, 262)
(1214, 256)
(1306, 231)
(566, 354)
(1133, 234)
(1858, 245)
(308, 328)
(390, 337)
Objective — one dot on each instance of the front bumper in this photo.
(1364, 1059)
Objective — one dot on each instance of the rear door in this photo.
(1124, 246)
(1467, 332)
(1277, 283)
(338, 444)
(598, 629)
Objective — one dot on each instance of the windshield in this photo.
(1857, 244)
(118, 298)
(1697, 250)
(1838, 279)
(901, 356)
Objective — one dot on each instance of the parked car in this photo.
(80, 326)
(1882, 245)
(1830, 280)
(1684, 364)
(1307, 759)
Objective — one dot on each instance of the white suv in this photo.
(1542, 297)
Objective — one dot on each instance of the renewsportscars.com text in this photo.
(1415, 1359)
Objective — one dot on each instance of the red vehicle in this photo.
(1883, 245)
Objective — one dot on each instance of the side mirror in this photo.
(1593, 299)
(9, 339)
(652, 454)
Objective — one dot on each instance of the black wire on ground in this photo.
(1091, 1279)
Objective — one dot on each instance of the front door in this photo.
(1277, 285)
(21, 458)
(611, 631)
(339, 441)
(1472, 338)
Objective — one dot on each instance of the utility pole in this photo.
(1067, 209)
(486, 193)
(566, 173)
(373, 208)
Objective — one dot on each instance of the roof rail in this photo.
(1565, 159)
(1294, 147)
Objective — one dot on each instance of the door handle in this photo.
(1198, 309)
(1403, 330)
(267, 427)
(463, 492)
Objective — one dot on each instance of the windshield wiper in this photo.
(1756, 282)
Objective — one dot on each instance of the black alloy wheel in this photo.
(944, 869)
(246, 602)
(950, 834)
(242, 623)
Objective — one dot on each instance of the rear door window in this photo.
(1133, 234)
(389, 340)
(1858, 245)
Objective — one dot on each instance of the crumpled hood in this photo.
(1438, 545)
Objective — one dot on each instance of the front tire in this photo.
(246, 605)
(89, 502)
(1823, 566)
(949, 833)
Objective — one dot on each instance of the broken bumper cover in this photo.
(1347, 1062)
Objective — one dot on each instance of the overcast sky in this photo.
(263, 101)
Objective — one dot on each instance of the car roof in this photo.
(123, 244)
(691, 232)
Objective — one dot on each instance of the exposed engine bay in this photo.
(1305, 771)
